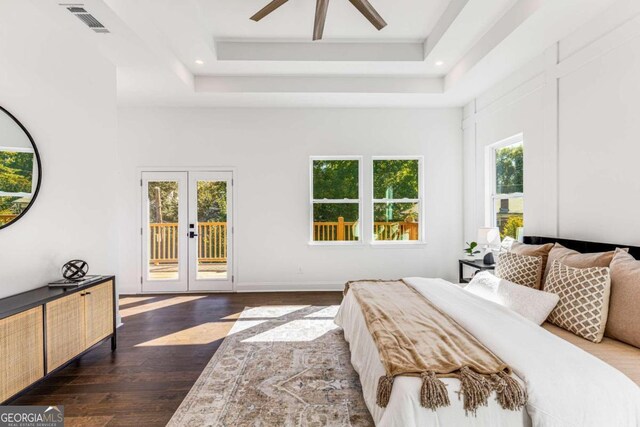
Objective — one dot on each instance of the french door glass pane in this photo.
(509, 216)
(212, 230)
(335, 222)
(396, 221)
(163, 230)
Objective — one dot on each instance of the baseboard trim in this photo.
(289, 286)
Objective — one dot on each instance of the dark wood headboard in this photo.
(582, 246)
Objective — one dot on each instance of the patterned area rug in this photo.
(279, 366)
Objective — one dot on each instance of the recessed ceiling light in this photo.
(439, 63)
(199, 61)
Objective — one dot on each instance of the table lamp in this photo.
(488, 238)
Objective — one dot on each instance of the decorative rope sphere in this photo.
(75, 269)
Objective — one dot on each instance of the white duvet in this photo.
(566, 385)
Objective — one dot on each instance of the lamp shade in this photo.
(489, 236)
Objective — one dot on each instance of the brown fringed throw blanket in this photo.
(414, 338)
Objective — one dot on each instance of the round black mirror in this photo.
(20, 170)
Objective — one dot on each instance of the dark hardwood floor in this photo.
(163, 346)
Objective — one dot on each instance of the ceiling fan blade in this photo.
(370, 13)
(268, 9)
(321, 17)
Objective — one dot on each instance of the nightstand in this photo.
(476, 264)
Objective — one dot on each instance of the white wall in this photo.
(270, 149)
(577, 106)
(65, 95)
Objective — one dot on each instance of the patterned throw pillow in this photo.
(521, 269)
(534, 250)
(584, 299)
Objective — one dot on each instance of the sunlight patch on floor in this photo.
(301, 330)
(234, 316)
(270, 311)
(203, 334)
(157, 305)
(125, 301)
(327, 312)
(309, 328)
(243, 325)
(197, 335)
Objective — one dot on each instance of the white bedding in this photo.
(566, 386)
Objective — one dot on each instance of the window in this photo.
(397, 199)
(335, 199)
(507, 187)
(18, 179)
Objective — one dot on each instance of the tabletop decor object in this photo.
(471, 250)
(75, 270)
(489, 239)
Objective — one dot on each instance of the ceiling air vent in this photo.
(89, 20)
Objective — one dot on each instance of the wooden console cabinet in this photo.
(44, 329)
(21, 351)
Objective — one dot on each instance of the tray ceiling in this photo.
(208, 52)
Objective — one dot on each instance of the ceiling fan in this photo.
(321, 14)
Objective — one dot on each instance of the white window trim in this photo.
(491, 217)
(419, 200)
(312, 201)
(17, 149)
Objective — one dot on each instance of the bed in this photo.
(566, 384)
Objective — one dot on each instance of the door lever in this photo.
(192, 234)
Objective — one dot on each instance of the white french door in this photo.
(210, 231)
(187, 229)
(164, 232)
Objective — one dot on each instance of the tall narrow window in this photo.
(335, 199)
(507, 192)
(397, 199)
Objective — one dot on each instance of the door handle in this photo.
(192, 234)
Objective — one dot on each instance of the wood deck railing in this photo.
(163, 242)
(7, 218)
(396, 230)
(333, 231)
(344, 231)
(212, 244)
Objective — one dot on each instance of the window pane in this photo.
(17, 182)
(212, 230)
(395, 179)
(335, 179)
(11, 207)
(16, 172)
(509, 176)
(396, 221)
(509, 216)
(335, 222)
(163, 230)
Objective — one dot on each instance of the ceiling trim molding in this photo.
(152, 37)
(293, 84)
(443, 24)
(318, 51)
(506, 25)
(605, 43)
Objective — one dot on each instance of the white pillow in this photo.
(531, 303)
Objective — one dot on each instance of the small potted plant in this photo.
(471, 250)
